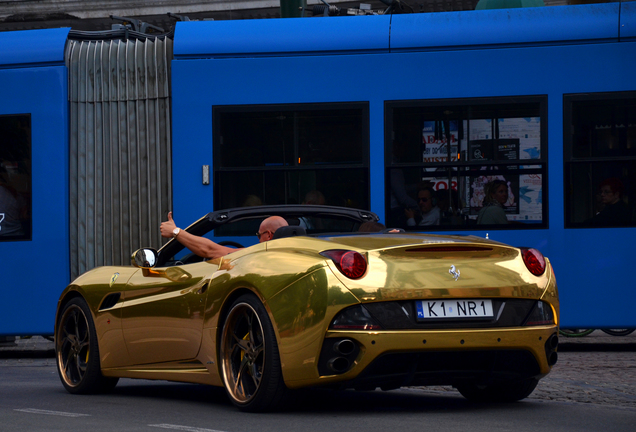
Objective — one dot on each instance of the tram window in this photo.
(492, 174)
(600, 160)
(292, 154)
(15, 177)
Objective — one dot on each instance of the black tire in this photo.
(575, 332)
(618, 332)
(250, 362)
(77, 353)
(502, 392)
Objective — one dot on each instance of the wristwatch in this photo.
(175, 232)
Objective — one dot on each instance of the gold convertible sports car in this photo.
(319, 305)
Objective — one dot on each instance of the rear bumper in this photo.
(390, 359)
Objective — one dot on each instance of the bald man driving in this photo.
(206, 248)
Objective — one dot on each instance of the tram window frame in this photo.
(299, 167)
(16, 160)
(469, 175)
(597, 152)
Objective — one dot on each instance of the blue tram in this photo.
(400, 114)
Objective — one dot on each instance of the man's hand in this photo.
(200, 246)
(167, 227)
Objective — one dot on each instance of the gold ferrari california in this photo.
(319, 305)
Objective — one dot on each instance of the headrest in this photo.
(289, 231)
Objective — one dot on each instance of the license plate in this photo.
(447, 308)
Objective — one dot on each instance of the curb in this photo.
(27, 354)
(40, 348)
(596, 347)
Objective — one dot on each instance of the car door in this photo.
(163, 311)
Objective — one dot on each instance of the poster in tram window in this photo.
(493, 150)
(435, 149)
(434, 141)
(527, 130)
(525, 196)
(530, 198)
(480, 150)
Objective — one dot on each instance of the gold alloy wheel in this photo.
(243, 353)
(73, 345)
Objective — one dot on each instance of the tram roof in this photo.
(33, 47)
(404, 32)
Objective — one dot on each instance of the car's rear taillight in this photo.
(534, 260)
(541, 315)
(350, 263)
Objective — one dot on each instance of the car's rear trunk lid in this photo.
(439, 269)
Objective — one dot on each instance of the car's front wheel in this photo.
(250, 360)
(77, 352)
(502, 392)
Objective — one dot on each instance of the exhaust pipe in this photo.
(338, 364)
(338, 356)
(554, 341)
(551, 346)
(344, 347)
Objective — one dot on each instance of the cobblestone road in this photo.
(606, 378)
(600, 378)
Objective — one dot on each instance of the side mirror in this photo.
(145, 258)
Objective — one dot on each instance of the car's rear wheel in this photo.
(250, 360)
(77, 352)
(502, 392)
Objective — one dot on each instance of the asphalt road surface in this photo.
(586, 391)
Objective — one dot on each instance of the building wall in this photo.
(82, 15)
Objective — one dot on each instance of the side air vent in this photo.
(109, 301)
